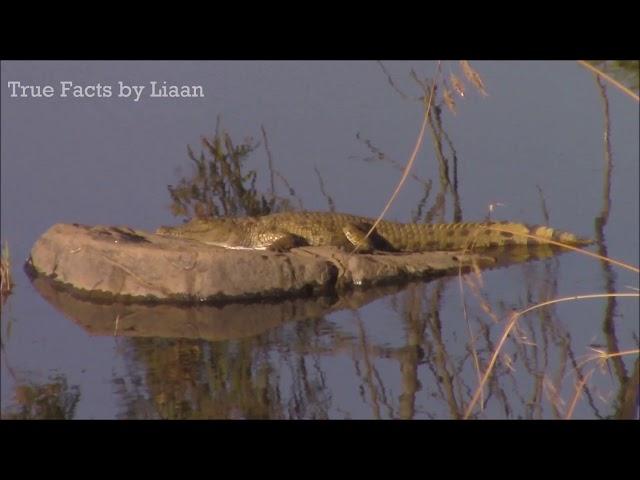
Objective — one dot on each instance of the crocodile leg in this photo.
(356, 235)
(281, 241)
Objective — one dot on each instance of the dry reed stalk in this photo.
(511, 325)
(473, 76)
(609, 79)
(578, 394)
(575, 249)
(448, 99)
(456, 84)
(6, 282)
(410, 163)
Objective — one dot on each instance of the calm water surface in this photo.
(534, 146)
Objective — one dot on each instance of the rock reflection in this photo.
(264, 360)
(232, 320)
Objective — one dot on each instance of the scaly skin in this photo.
(282, 231)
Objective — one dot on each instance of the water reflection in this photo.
(267, 360)
(52, 400)
(206, 322)
(229, 321)
(627, 399)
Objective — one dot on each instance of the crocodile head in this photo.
(222, 232)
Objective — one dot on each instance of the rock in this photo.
(107, 262)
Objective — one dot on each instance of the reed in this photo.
(6, 281)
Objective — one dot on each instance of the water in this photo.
(399, 354)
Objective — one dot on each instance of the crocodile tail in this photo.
(560, 236)
(516, 233)
(471, 235)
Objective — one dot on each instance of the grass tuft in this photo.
(6, 282)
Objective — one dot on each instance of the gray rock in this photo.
(131, 264)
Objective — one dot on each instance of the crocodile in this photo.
(283, 231)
